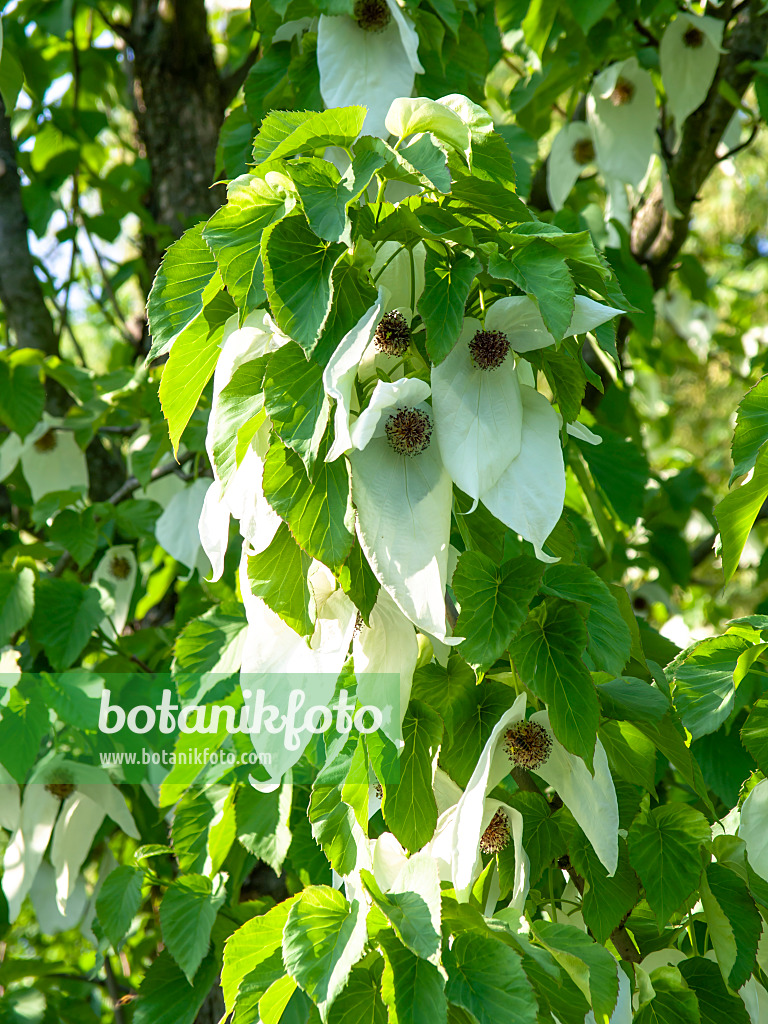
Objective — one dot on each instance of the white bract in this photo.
(403, 493)
(51, 459)
(621, 110)
(591, 799)
(519, 318)
(753, 828)
(385, 654)
(176, 530)
(67, 801)
(573, 150)
(115, 578)
(689, 54)
(276, 661)
(529, 495)
(242, 496)
(369, 59)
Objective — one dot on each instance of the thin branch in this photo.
(124, 491)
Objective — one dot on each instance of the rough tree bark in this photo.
(21, 294)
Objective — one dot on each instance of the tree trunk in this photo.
(28, 320)
(179, 105)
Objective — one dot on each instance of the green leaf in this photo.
(333, 826)
(22, 394)
(428, 162)
(412, 988)
(234, 236)
(254, 985)
(360, 1002)
(251, 945)
(751, 431)
(734, 923)
(591, 967)
(297, 276)
(296, 402)
(353, 294)
(279, 576)
(704, 683)
(409, 804)
(547, 653)
(17, 601)
(187, 912)
(179, 290)
(448, 277)
(486, 977)
(620, 470)
(77, 533)
(607, 900)
(610, 641)
(192, 817)
(737, 511)
(239, 401)
(673, 1002)
(191, 364)
(358, 582)
(324, 197)
(284, 133)
(166, 996)
(412, 116)
(632, 699)
(542, 840)
(23, 724)
(414, 912)
(631, 755)
(118, 902)
(66, 613)
(664, 851)
(541, 271)
(262, 824)
(473, 720)
(494, 603)
(323, 938)
(318, 512)
(754, 734)
(716, 1004)
(208, 649)
(668, 735)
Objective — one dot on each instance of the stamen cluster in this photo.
(489, 349)
(372, 15)
(393, 335)
(528, 745)
(61, 789)
(409, 431)
(496, 836)
(693, 38)
(120, 568)
(622, 93)
(47, 442)
(583, 152)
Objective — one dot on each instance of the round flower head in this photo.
(573, 149)
(403, 498)
(621, 111)
(497, 834)
(372, 15)
(393, 335)
(370, 58)
(689, 54)
(528, 745)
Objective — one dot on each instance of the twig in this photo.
(126, 489)
(114, 992)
